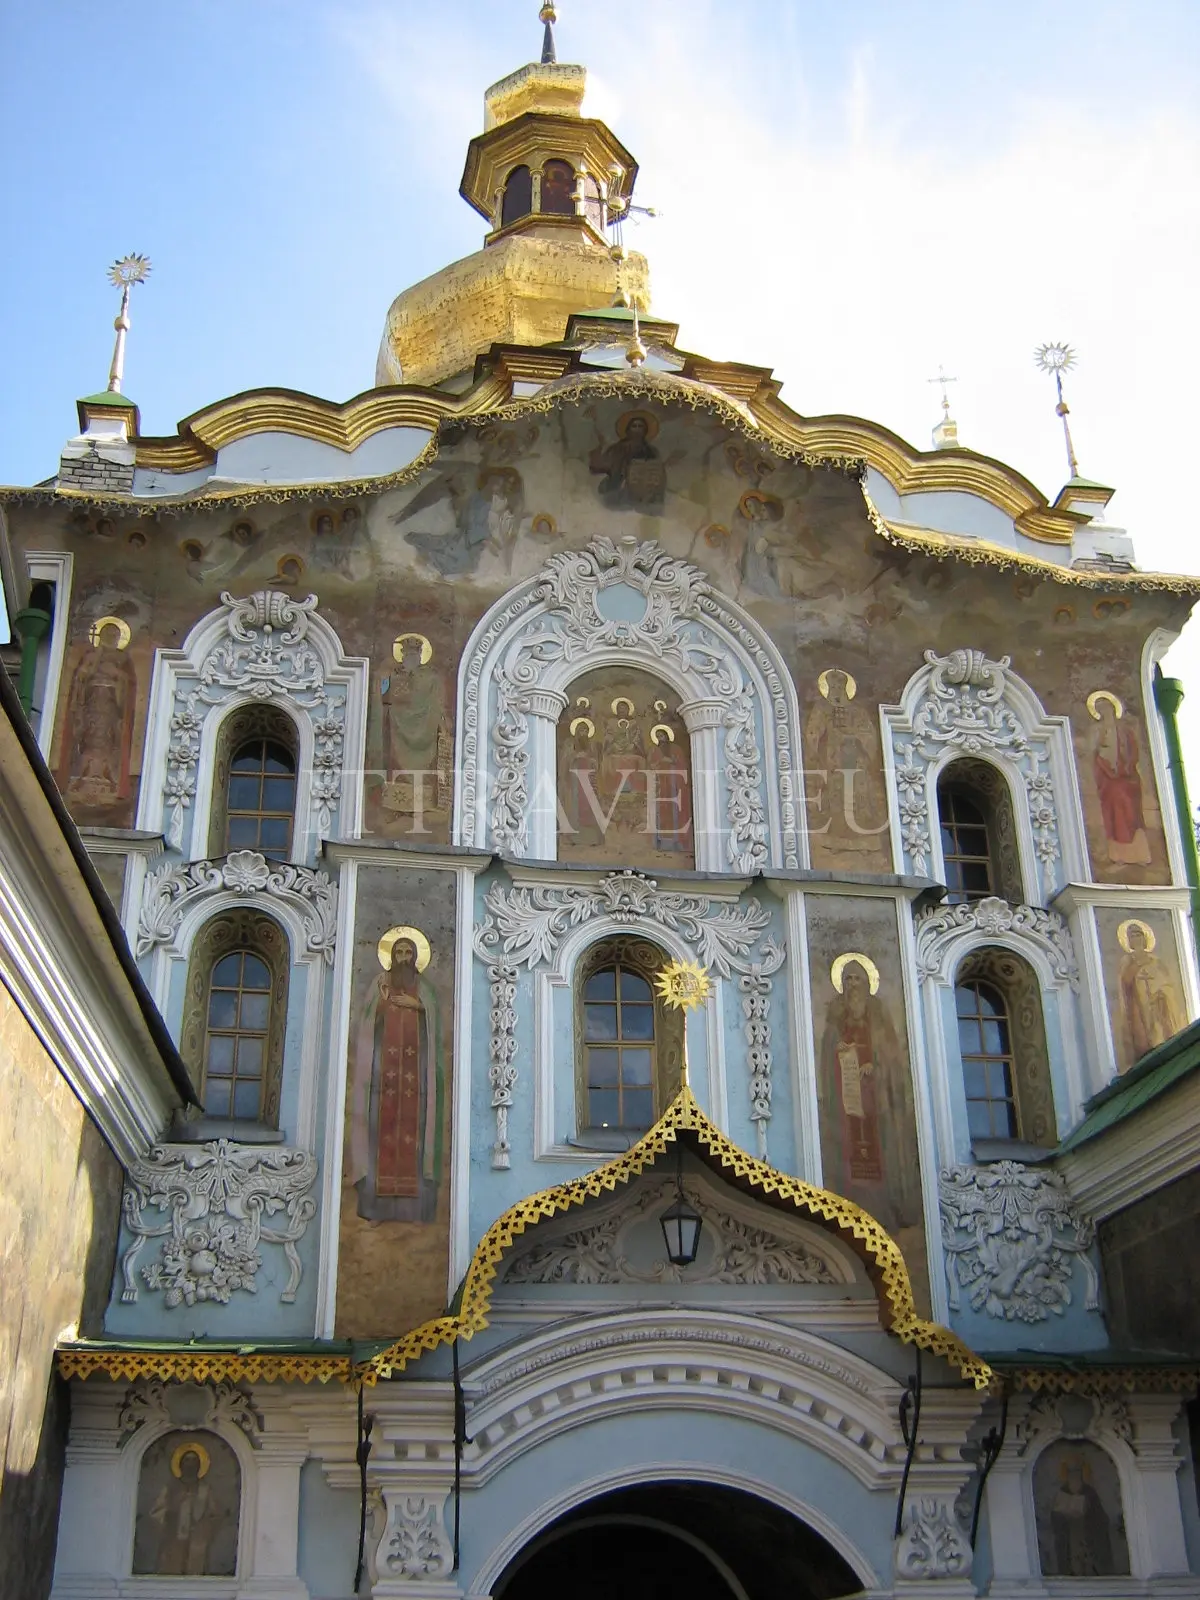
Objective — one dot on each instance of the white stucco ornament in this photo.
(172, 891)
(215, 1198)
(942, 926)
(1011, 1236)
(933, 1543)
(415, 1547)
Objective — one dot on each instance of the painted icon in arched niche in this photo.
(397, 1087)
(188, 1505)
(100, 710)
(1077, 1502)
(1151, 1009)
(624, 773)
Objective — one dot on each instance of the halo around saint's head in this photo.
(856, 958)
(683, 984)
(192, 1447)
(395, 936)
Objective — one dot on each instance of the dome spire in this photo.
(549, 15)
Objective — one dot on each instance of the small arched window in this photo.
(979, 842)
(235, 1015)
(1002, 1045)
(558, 189)
(631, 1047)
(255, 784)
(593, 203)
(518, 196)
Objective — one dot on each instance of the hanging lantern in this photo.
(681, 1225)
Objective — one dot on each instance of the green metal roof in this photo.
(108, 398)
(1152, 1076)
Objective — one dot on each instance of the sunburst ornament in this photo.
(1054, 358)
(683, 985)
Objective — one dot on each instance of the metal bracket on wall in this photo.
(989, 1453)
(910, 1422)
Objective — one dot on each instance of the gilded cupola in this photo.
(550, 182)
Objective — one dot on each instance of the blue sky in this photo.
(851, 193)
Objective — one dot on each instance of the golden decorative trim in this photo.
(195, 1366)
(1101, 1380)
(872, 1243)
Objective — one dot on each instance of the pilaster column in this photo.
(544, 707)
(703, 720)
(1157, 1543)
(933, 1556)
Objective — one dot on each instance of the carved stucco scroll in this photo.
(1011, 1236)
(172, 891)
(942, 926)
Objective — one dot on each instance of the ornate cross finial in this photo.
(123, 275)
(944, 382)
(549, 16)
(1057, 359)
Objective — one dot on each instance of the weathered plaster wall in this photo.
(59, 1209)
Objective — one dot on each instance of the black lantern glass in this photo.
(680, 1222)
(681, 1225)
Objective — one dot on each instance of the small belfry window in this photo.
(261, 798)
(619, 1047)
(236, 1036)
(558, 189)
(985, 1043)
(518, 196)
(966, 846)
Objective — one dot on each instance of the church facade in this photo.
(425, 745)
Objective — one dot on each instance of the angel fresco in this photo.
(487, 507)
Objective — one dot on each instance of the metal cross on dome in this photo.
(943, 381)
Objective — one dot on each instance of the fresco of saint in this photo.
(1077, 1501)
(847, 814)
(487, 515)
(417, 756)
(1151, 1010)
(1115, 755)
(99, 723)
(188, 1506)
(397, 1089)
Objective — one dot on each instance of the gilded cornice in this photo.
(196, 1365)
(877, 1249)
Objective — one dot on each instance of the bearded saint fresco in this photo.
(397, 1089)
(187, 1511)
(867, 1105)
(1077, 1500)
(99, 723)
(630, 471)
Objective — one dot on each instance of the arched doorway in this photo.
(662, 1540)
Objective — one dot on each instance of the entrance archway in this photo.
(660, 1540)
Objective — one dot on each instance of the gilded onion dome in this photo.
(549, 181)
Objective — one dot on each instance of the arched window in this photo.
(979, 842)
(518, 196)
(255, 784)
(1002, 1045)
(558, 188)
(624, 773)
(631, 1046)
(234, 1017)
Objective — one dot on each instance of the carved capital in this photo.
(415, 1548)
(933, 1543)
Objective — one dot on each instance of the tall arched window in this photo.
(518, 196)
(1002, 1045)
(235, 1015)
(979, 841)
(255, 784)
(558, 188)
(630, 1045)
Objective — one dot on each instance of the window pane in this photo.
(633, 987)
(255, 972)
(216, 1097)
(602, 1067)
(273, 833)
(601, 985)
(222, 1009)
(220, 1053)
(975, 1075)
(995, 1038)
(243, 833)
(600, 1022)
(278, 794)
(637, 1022)
(639, 1108)
(248, 758)
(964, 1000)
(279, 759)
(602, 1108)
(227, 971)
(635, 1067)
(970, 1040)
(256, 1011)
(978, 1120)
(988, 1002)
(243, 793)
(999, 1085)
(246, 1100)
(249, 1057)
